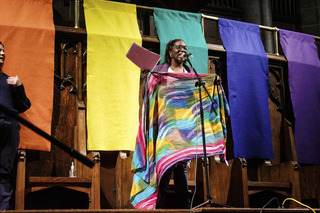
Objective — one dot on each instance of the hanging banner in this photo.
(304, 83)
(28, 34)
(248, 84)
(171, 24)
(112, 79)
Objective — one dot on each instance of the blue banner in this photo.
(248, 84)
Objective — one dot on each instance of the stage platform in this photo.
(204, 209)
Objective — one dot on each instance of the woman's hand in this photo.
(218, 80)
(14, 81)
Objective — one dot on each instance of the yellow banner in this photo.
(112, 79)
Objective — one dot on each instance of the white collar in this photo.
(171, 70)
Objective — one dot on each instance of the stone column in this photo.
(266, 20)
(310, 17)
(259, 12)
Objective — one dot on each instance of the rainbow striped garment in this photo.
(170, 129)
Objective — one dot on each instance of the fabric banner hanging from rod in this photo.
(28, 34)
(248, 84)
(304, 83)
(171, 24)
(112, 79)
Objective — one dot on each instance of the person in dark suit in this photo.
(13, 97)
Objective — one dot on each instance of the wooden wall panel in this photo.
(124, 178)
(228, 183)
(64, 108)
(108, 179)
(310, 184)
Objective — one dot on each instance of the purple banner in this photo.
(304, 83)
(248, 84)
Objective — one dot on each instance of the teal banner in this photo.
(171, 24)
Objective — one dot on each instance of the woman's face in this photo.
(178, 51)
(2, 55)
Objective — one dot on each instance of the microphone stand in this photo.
(77, 155)
(200, 84)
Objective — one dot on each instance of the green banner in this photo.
(171, 24)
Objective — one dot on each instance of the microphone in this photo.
(185, 56)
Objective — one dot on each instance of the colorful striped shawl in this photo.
(170, 129)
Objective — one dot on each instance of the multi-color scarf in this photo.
(170, 129)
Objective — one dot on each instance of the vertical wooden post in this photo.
(95, 185)
(20, 181)
(79, 81)
(80, 130)
(81, 137)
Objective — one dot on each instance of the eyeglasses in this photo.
(180, 47)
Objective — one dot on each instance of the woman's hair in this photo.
(167, 58)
